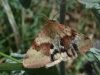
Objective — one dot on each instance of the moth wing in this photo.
(73, 41)
(38, 55)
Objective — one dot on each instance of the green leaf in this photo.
(90, 3)
(93, 54)
(94, 5)
(11, 66)
(19, 66)
(96, 12)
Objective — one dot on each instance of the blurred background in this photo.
(19, 27)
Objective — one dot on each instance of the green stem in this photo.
(62, 19)
(9, 57)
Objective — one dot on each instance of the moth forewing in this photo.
(55, 43)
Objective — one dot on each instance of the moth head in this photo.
(51, 24)
(51, 27)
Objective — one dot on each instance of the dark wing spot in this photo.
(73, 51)
(52, 59)
(62, 50)
(61, 43)
(76, 48)
(52, 55)
(65, 50)
(67, 53)
(55, 51)
(51, 46)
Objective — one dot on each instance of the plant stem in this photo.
(9, 57)
(62, 13)
(62, 19)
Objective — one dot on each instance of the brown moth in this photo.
(55, 43)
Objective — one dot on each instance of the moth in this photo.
(55, 43)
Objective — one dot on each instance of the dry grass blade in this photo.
(12, 22)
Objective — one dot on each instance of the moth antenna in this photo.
(55, 15)
(58, 13)
(44, 17)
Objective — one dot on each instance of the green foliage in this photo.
(25, 3)
(93, 54)
(94, 5)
